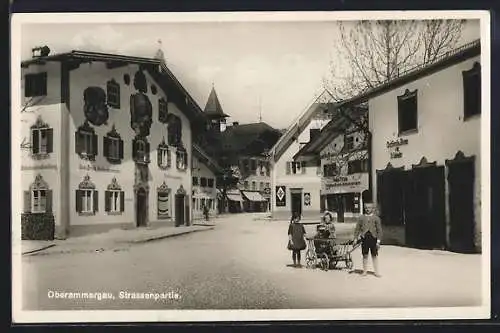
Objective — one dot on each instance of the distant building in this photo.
(295, 185)
(245, 150)
(107, 141)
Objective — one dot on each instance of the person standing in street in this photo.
(369, 231)
(296, 241)
(205, 212)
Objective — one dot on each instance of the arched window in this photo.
(163, 201)
(181, 158)
(114, 198)
(87, 197)
(39, 197)
(140, 147)
(164, 159)
(42, 137)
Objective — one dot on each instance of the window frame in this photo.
(85, 199)
(472, 74)
(41, 207)
(37, 86)
(403, 111)
(113, 94)
(210, 182)
(181, 156)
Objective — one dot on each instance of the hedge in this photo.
(40, 226)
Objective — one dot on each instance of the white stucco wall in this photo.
(96, 74)
(442, 131)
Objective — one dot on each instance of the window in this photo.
(349, 143)
(113, 146)
(262, 169)
(163, 201)
(407, 112)
(195, 181)
(174, 130)
(35, 85)
(472, 91)
(203, 182)
(210, 182)
(261, 186)
(140, 150)
(357, 166)
(114, 198)
(39, 198)
(86, 142)
(246, 184)
(202, 202)
(268, 169)
(296, 167)
(162, 111)
(181, 159)
(86, 197)
(113, 92)
(330, 170)
(254, 186)
(253, 165)
(42, 137)
(246, 167)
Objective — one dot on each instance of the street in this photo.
(242, 264)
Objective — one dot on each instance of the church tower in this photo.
(213, 110)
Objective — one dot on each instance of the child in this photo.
(369, 229)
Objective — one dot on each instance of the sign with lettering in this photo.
(101, 168)
(39, 167)
(397, 142)
(344, 184)
(280, 196)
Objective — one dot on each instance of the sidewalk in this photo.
(113, 240)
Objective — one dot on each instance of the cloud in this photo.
(102, 38)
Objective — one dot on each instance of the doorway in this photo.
(179, 209)
(296, 201)
(390, 196)
(425, 208)
(141, 207)
(461, 175)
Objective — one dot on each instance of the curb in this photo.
(38, 250)
(166, 236)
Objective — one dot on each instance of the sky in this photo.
(270, 68)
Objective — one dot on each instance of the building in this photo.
(342, 148)
(204, 183)
(426, 152)
(107, 141)
(245, 151)
(296, 184)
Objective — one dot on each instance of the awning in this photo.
(234, 197)
(253, 196)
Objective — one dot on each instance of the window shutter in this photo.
(94, 144)
(96, 201)
(185, 160)
(159, 156)
(50, 140)
(288, 167)
(122, 201)
(78, 196)
(147, 150)
(35, 141)
(303, 167)
(48, 201)
(107, 201)
(120, 149)
(27, 86)
(78, 142)
(27, 201)
(105, 146)
(134, 149)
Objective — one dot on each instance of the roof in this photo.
(238, 137)
(448, 59)
(156, 68)
(199, 153)
(338, 125)
(300, 123)
(253, 196)
(213, 108)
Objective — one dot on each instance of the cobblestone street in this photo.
(242, 264)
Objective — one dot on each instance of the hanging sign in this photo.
(280, 196)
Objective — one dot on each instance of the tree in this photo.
(371, 53)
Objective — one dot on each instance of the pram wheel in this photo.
(311, 259)
(324, 262)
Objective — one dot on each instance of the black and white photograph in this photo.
(240, 166)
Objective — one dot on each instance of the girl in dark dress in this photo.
(296, 241)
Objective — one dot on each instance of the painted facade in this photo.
(444, 139)
(112, 160)
(296, 185)
(204, 189)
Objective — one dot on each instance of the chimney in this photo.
(40, 51)
(235, 123)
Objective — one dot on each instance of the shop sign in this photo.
(97, 168)
(349, 183)
(394, 145)
(39, 167)
(280, 196)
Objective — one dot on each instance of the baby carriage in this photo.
(325, 253)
